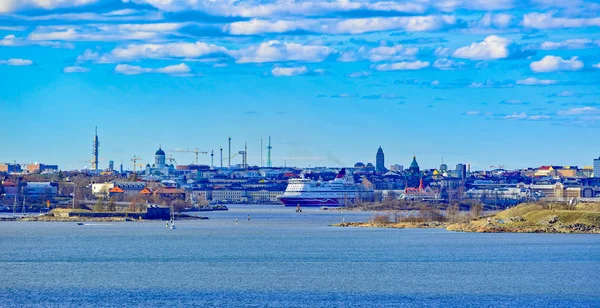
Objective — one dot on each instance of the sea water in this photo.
(275, 257)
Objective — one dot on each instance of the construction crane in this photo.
(171, 159)
(195, 151)
(135, 159)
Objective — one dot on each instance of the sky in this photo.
(485, 82)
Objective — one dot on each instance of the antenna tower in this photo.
(95, 152)
(269, 147)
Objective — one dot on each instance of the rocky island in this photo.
(539, 217)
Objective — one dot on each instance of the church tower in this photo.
(380, 161)
(160, 159)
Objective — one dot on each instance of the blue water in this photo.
(285, 259)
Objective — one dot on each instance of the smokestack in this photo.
(229, 163)
(221, 157)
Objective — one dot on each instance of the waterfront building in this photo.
(597, 167)
(41, 189)
(380, 161)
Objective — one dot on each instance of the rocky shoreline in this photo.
(399, 225)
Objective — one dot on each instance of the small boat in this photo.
(172, 219)
(80, 224)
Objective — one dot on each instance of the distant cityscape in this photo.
(46, 184)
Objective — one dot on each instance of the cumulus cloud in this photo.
(380, 53)
(176, 70)
(570, 44)
(359, 74)
(276, 51)
(554, 63)
(596, 65)
(524, 116)
(536, 82)
(12, 41)
(271, 8)
(289, 71)
(7, 6)
(447, 64)
(548, 21)
(491, 20)
(399, 66)
(76, 69)
(492, 47)
(342, 26)
(16, 62)
(159, 51)
(579, 111)
(107, 32)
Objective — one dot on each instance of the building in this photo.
(414, 166)
(160, 167)
(10, 168)
(127, 188)
(380, 161)
(397, 168)
(41, 189)
(597, 167)
(461, 170)
(39, 168)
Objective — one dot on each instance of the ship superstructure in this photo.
(341, 191)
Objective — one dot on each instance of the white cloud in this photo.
(275, 51)
(524, 116)
(536, 82)
(579, 111)
(289, 71)
(12, 41)
(554, 63)
(472, 113)
(490, 20)
(435, 83)
(341, 26)
(121, 15)
(76, 69)
(7, 6)
(276, 8)
(176, 70)
(492, 47)
(359, 74)
(107, 32)
(548, 21)
(521, 115)
(398, 66)
(570, 44)
(159, 51)
(9, 40)
(596, 65)
(380, 53)
(447, 64)
(16, 62)
(442, 52)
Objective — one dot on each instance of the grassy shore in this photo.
(538, 217)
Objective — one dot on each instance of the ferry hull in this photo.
(311, 202)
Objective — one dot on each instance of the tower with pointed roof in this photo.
(380, 161)
(414, 166)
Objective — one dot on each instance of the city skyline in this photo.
(487, 83)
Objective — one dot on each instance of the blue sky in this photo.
(495, 82)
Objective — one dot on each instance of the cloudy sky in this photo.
(486, 82)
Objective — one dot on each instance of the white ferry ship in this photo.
(341, 191)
